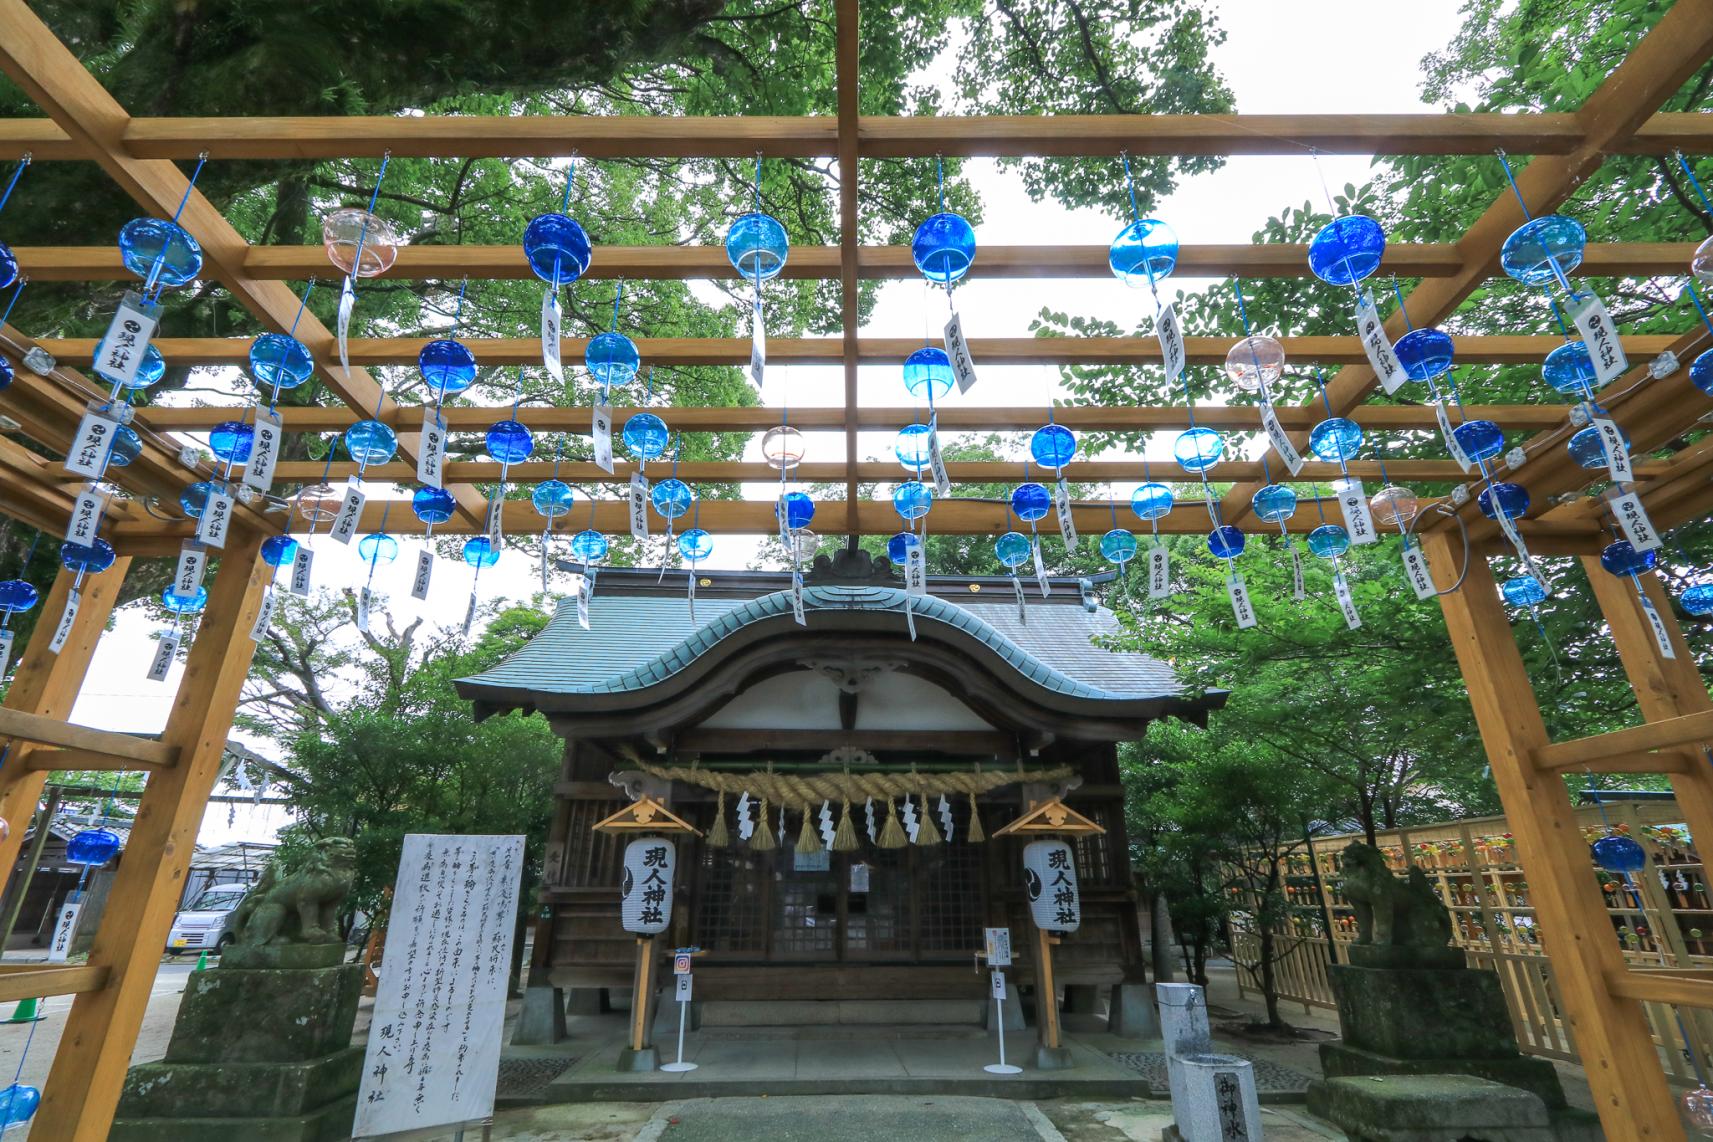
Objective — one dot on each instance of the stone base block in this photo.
(1130, 1012)
(647, 1059)
(541, 1019)
(1053, 1058)
(1536, 1076)
(329, 1124)
(160, 1091)
(1013, 1008)
(265, 1015)
(588, 1001)
(1423, 1013)
(1430, 1108)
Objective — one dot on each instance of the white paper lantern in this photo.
(1050, 874)
(646, 897)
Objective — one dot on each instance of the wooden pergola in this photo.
(83, 123)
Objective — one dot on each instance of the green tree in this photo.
(380, 744)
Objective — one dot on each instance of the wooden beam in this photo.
(20, 725)
(1686, 729)
(633, 136)
(58, 82)
(1611, 1035)
(759, 742)
(27, 981)
(1671, 52)
(1480, 349)
(848, 57)
(759, 418)
(1682, 987)
(48, 760)
(822, 263)
(83, 1087)
(1668, 762)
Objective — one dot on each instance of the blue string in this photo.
(618, 294)
(1693, 181)
(1242, 310)
(1695, 297)
(570, 177)
(940, 173)
(13, 181)
(1402, 308)
(1129, 181)
(201, 161)
(1510, 178)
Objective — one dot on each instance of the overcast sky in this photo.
(1265, 61)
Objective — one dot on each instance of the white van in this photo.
(206, 924)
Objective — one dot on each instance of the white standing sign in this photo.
(998, 942)
(433, 1056)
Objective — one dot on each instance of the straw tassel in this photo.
(718, 837)
(926, 832)
(891, 833)
(976, 836)
(807, 842)
(844, 837)
(763, 840)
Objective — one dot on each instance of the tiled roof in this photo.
(637, 641)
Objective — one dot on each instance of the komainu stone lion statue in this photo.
(1391, 912)
(301, 907)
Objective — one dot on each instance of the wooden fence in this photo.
(1662, 916)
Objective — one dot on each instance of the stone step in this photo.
(833, 1012)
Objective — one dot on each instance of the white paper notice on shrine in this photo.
(121, 353)
(958, 352)
(1600, 336)
(1241, 608)
(1171, 339)
(1417, 572)
(1280, 440)
(264, 451)
(433, 1057)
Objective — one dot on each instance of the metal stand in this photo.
(1002, 1067)
(680, 1064)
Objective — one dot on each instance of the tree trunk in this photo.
(1269, 979)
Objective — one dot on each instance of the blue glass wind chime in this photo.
(16, 596)
(758, 248)
(164, 256)
(447, 367)
(9, 275)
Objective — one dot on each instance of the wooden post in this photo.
(642, 992)
(1612, 1037)
(82, 1091)
(47, 683)
(1046, 999)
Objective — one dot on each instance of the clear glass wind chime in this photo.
(363, 245)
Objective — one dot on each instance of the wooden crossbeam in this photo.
(1688, 987)
(755, 517)
(955, 418)
(34, 59)
(1624, 102)
(24, 726)
(630, 136)
(661, 263)
(1667, 763)
(29, 981)
(1490, 349)
(1122, 472)
(1689, 729)
(48, 760)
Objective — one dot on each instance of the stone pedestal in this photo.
(1130, 1012)
(261, 1050)
(541, 1020)
(1447, 1031)
(1430, 1021)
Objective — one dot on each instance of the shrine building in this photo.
(763, 734)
